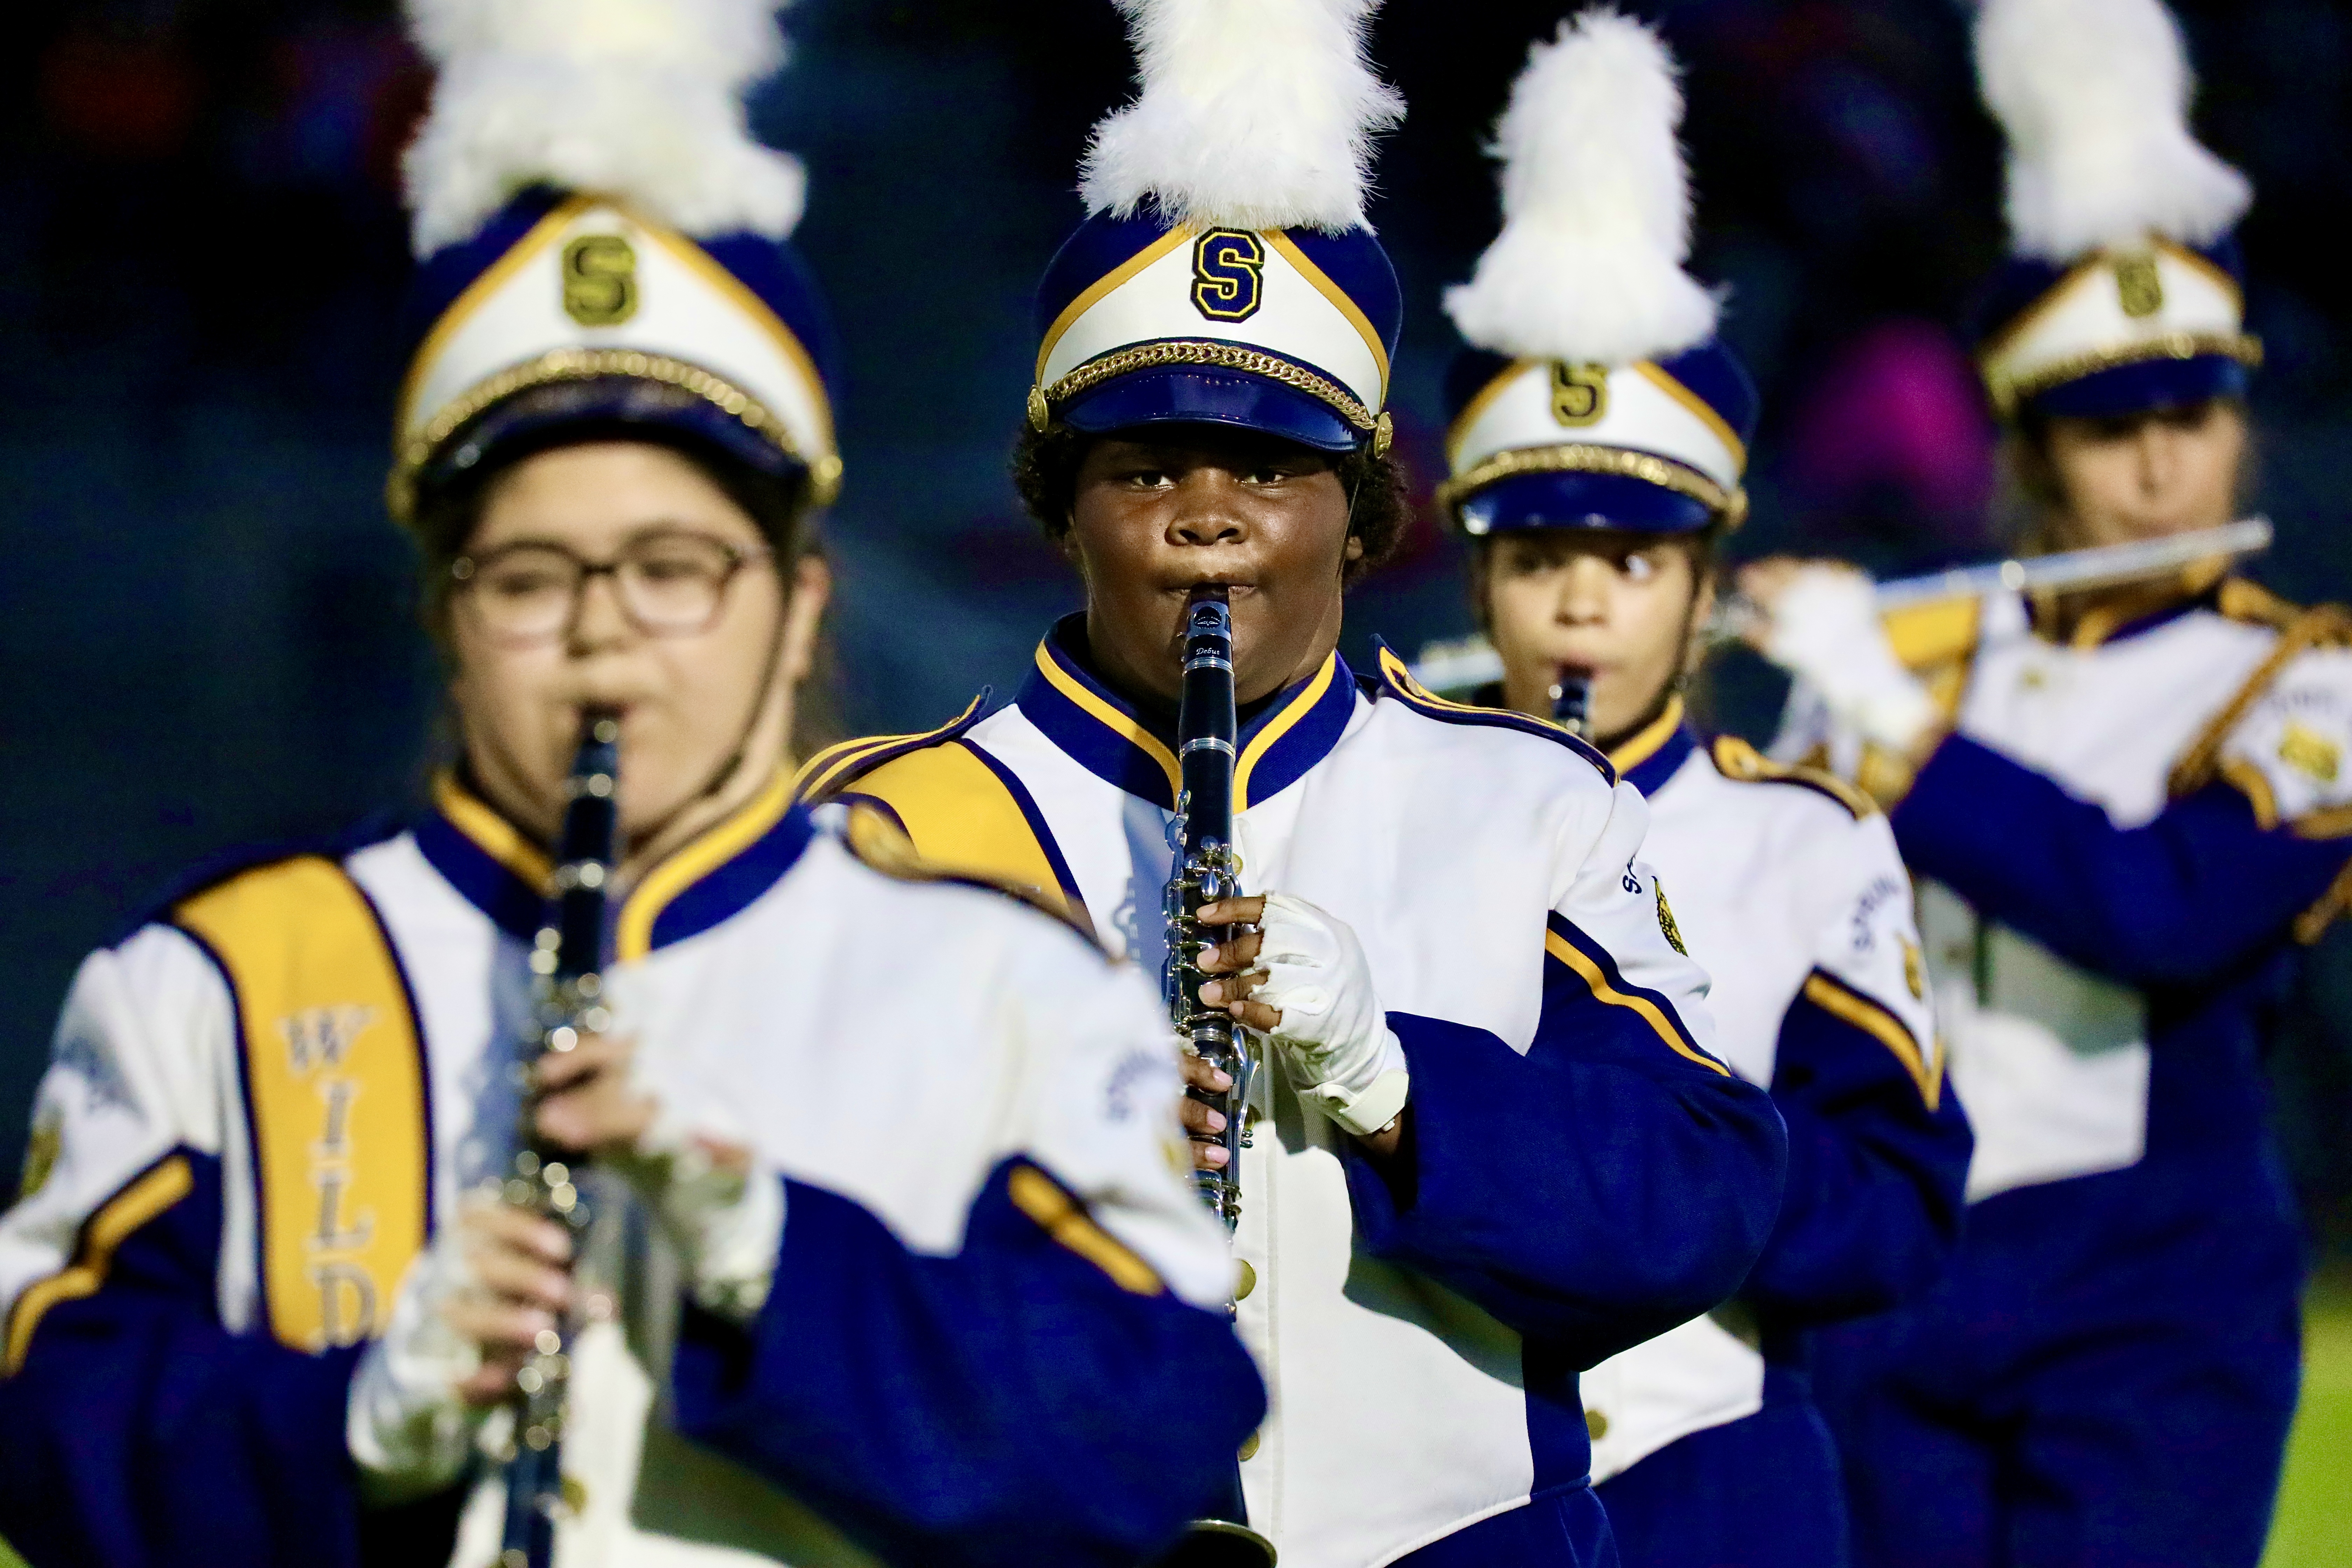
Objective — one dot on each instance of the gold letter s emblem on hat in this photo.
(1228, 274)
(1579, 393)
(600, 280)
(2137, 286)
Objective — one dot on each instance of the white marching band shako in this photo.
(1192, 286)
(2119, 308)
(593, 289)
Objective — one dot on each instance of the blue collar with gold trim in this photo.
(503, 872)
(1104, 733)
(1651, 755)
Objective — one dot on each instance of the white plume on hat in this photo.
(636, 99)
(1255, 114)
(2095, 97)
(1596, 207)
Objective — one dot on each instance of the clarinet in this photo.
(567, 1001)
(1571, 701)
(1206, 869)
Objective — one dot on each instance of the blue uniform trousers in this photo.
(1759, 1492)
(2051, 1408)
(1564, 1528)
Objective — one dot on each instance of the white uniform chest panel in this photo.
(2107, 722)
(1752, 879)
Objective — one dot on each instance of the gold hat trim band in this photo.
(582, 365)
(2009, 391)
(1581, 457)
(1222, 356)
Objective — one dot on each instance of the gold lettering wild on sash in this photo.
(318, 1042)
(600, 280)
(1579, 393)
(1666, 927)
(2306, 751)
(2137, 286)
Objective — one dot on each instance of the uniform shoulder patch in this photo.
(1738, 761)
(1397, 682)
(2250, 603)
(826, 775)
(881, 844)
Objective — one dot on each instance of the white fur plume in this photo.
(1252, 114)
(1596, 207)
(2094, 96)
(638, 100)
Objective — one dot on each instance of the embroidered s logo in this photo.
(600, 280)
(2308, 751)
(2138, 287)
(1579, 393)
(1666, 927)
(1228, 274)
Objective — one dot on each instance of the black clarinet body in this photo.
(1572, 701)
(1208, 868)
(567, 963)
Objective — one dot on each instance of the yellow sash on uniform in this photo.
(334, 1081)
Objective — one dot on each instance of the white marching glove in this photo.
(1334, 1039)
(1826, 628)
(723, 1210)
(409, 1430)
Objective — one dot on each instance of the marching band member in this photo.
(1600, 433)
(2126, 807)
(257, 1309)
(1493, 1140)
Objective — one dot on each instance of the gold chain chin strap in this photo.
(582, 365)
(1582, 458)
(1042, 400)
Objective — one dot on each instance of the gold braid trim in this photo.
(1222, 356)
(1581, 457)
(2009, 391)
(582, 365)
(2200, 763)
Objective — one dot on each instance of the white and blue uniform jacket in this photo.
(1788, 888)
(2119, 846)
(995, 1333)
(1581, 1171)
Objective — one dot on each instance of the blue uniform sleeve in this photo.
(1878, 1159)
(1038, 1396)
(138, 1430)
(1615, 1180)
(2183, 898)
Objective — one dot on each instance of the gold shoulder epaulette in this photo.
(2321, 626)
(883, 846)
(1736, 760)
(2240, 600)
(822, 776)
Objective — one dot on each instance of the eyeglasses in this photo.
(669, 584)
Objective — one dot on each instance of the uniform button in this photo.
(1245, 1281)
(1596, 1425)
(1249, 1447)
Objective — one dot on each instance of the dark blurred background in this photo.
(210, 635)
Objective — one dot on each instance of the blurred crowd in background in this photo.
(200, 311)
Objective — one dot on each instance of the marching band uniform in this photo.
(2128, 829)
(1586, 401)
(265, 1102)
(1581, 1170)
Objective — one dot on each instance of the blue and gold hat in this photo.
(604, 248)
(1226, 274)
(1594, 393)
(2126, 290)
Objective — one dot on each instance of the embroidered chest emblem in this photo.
(1914, 970)
(2306, 751)
(1666, 927)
